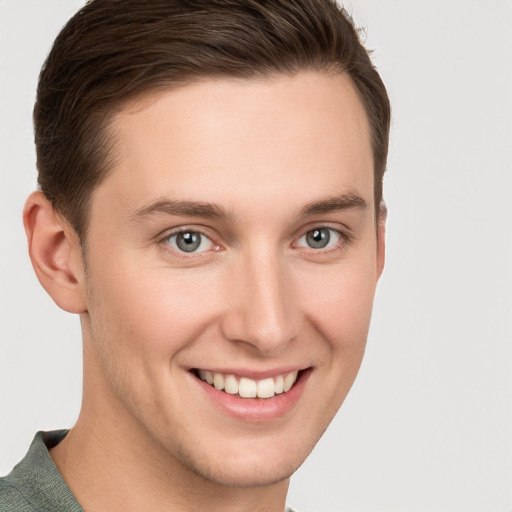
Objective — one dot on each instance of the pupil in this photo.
(318, 238)
(188, 242)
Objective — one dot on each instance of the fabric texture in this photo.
(36, 485)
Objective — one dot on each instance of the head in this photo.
(218, 165)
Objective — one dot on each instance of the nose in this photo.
(261, 306)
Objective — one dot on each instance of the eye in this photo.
(320, 238)
(189, 241)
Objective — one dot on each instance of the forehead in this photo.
(226, 139)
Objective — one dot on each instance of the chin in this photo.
(257, 464)
(246, 474)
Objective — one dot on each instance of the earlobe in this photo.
(55, 253)
(381, 238)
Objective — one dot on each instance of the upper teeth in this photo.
(249, 388)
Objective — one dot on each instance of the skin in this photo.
(255, 298)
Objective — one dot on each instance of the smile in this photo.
(249, 388)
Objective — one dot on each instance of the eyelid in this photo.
(184, 228)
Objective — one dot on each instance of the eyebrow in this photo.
(343, 202)
(212, 211)
(182, 208)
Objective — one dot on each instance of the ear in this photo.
(55, 253)
(381, 238)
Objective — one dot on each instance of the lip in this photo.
(255, 409)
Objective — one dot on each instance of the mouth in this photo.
(245, 387)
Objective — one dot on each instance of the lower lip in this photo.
(256, 409)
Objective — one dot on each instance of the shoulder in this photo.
(35, 484)
(12, 499)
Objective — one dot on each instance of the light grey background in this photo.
(428, 424)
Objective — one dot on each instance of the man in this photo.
(210, 204)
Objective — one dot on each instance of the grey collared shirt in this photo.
(35, 484)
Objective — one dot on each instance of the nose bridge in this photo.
(262, 310)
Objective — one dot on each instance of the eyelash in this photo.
(343, 238)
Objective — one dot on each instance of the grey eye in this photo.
(189, 241)
(318, 238)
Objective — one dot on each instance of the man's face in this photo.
(234, 239)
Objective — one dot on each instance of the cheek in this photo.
(340, 303)
(154, 315)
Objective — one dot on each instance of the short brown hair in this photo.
(113, 50)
